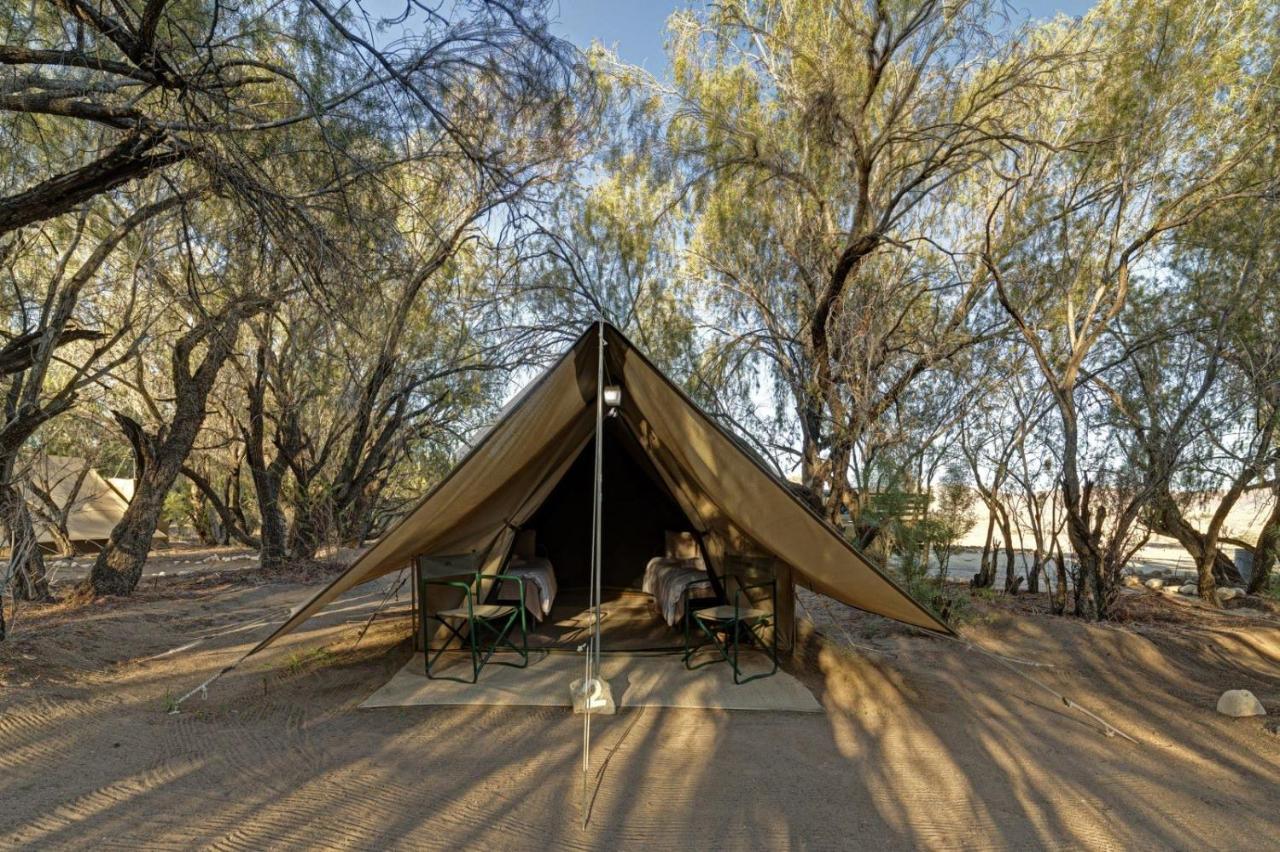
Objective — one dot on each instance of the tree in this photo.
(52, 354)
(1121, 169)
(821, 143)
(220, 290)
(477, 104)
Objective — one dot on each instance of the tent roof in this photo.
(96, 507)
(719, 483)
(124, 486)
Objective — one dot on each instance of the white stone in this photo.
(1131, 581)
(1226, 593)
(1240, 702)
(1154, 583)
(1189, 589)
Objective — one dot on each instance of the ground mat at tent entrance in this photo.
(629, 623)
(636, 681)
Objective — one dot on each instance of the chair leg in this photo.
(454, 633)
(502, 638)
(770, 650)
(476, 665)
(523, 650)
(688, 648)
(722, 647)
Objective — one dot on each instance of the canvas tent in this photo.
(93, 506)
(123, 485)
(666, 462)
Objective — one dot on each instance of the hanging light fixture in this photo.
(612, 396)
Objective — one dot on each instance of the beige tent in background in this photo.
(93, 506)
(725, 494)
(123, 486)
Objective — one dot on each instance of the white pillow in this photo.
(681, 545)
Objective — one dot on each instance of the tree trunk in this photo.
(1264, 559)
(1058, 598)
(1167, 519)
(304, 534)
(1085, 523)
(986, 576)
(1033, 575)
(273, 552)
(119, 566)
(1011, 579)
(26, 563)
(1205, 583)
(229, 518)
(201, 518)
(1265, 551)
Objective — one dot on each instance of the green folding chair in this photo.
(480, 626)
(749, 584)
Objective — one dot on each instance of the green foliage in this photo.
(931, 533)
(1272, 589)
(300, 661)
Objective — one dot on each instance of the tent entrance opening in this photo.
(638, 515)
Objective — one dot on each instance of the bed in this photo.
(673, 580)
(539, 584)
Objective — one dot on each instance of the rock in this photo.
(1240, 702)
(1151, 575)
(1131, 581)
(1153, 583)
(1189, 589)
(1272, 728)
(1226, 593)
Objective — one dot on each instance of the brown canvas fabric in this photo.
(735, 505)
(736, 488)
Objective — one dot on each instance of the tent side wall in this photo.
(743, 493)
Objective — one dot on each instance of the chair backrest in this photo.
(741, 570)
(434, 566)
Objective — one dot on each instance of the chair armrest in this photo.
(499, 579)
(507, 578)
(465, 588)
(740, 593)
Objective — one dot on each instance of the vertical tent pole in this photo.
(598, 536)
(592, 665)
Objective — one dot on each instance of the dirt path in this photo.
(921, 745)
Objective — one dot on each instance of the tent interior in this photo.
(639, 512)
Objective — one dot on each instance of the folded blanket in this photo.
(667, 579)
(539, 584)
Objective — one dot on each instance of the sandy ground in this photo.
(924, 744)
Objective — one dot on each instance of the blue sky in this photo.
(636, 28)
